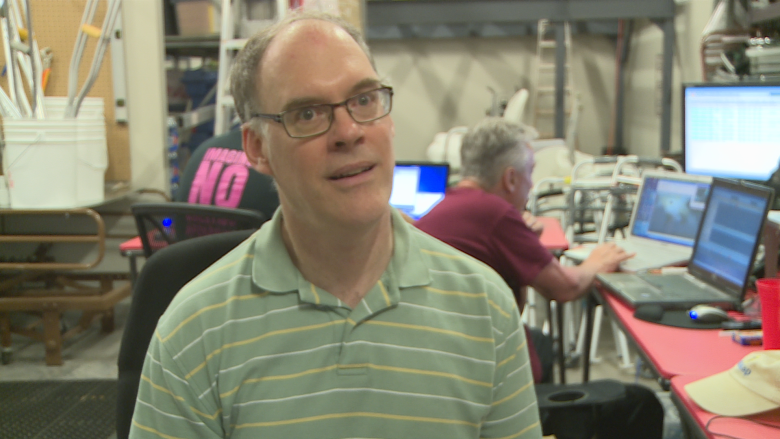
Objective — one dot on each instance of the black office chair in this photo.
(162, 224)
(163, 275)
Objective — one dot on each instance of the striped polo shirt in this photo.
(251, 349)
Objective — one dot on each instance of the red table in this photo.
(677, 351)
(680, 356)
(697, 418)
(553, 237)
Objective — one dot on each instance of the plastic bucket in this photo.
(55, 163)
(40, 169)
(91, 108)
(92, 161)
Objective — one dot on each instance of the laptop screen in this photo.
(418, 186)
(670, 209)
(729, 235)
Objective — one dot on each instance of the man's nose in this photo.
(345, 129)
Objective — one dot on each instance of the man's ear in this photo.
(509, 180)
(256, 150)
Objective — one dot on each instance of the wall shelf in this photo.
(201, 45)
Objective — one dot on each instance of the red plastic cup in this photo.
(769, 293)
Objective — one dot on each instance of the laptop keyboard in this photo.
(676, 285)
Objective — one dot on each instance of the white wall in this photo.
(443, 83)
(643, 77)
(440, 84)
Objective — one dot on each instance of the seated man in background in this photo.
(337, 318)
(219, 174)
(483, 217)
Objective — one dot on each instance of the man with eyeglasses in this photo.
(337, 318)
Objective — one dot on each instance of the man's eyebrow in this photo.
(302, 102)
(364, 84)
(306, 101)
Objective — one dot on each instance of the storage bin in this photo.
(197, 17)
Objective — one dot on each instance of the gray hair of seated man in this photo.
(244, 82)
(490, 147)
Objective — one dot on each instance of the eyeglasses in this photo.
(314, 120)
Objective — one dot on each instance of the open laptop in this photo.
(418, 186)
(663, 223)
(722, 257)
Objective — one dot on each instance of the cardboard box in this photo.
(197, 17)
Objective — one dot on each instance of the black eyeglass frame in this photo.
(279, 117)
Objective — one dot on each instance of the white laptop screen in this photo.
(418, 186)
(670, 209)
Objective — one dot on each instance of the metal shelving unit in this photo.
(407, 17)
(384, 12)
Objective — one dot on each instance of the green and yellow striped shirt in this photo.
(250, 349)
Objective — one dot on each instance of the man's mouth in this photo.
(352, 173)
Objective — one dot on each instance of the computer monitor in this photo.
(731, 130)
(418, 186)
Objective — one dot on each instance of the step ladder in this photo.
(230, 42)
(544, 79)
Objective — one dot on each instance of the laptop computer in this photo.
(418, 186)
(663, 223)
(722, 259)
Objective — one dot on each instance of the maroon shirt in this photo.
(490, 229)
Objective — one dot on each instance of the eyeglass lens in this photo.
(316, 119)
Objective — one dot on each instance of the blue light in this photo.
(694, 315)
(167, 222)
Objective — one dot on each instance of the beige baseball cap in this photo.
(752, 386)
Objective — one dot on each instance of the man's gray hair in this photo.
(244, 80)
(490, 147)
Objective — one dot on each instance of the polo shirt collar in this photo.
(274, 271)
(408, 262)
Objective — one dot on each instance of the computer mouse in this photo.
(708, 314)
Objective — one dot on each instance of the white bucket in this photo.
(4, 200)
(55, 163)
(91, 108)
(92, 161)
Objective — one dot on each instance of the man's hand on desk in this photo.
(535, 226)
(606, 258)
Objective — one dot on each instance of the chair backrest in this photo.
(163, 275)
(219, 174)
(162, 224)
